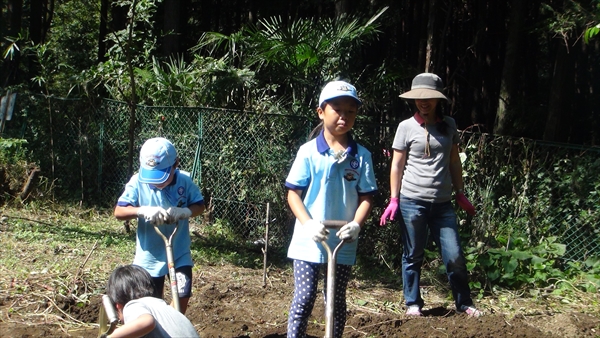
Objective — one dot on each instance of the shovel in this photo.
(171, 264)
(331, 265)
(108, 318)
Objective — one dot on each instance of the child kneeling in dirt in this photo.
(131, 289)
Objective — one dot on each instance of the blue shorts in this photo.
(184, 283)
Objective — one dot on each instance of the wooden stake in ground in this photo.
(264, 250)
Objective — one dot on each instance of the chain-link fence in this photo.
(237, 158)
(533, 190)
(62, 138)
(240, 160)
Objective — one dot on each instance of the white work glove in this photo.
(153, 215)
(175, 214)
(316, 230)
(349, 232)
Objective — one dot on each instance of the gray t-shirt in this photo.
(169, 322)
(426, 177)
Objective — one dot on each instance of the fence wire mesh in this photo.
(235, 157)
(87, 151)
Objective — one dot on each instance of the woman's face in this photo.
(427, 108)
(338, 115)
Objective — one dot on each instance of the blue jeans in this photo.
(417, 217)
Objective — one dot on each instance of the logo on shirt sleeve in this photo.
(354, 164)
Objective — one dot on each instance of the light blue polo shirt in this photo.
(150, 250)
(331, 192)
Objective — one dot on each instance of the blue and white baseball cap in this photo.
(335, 89)
(157, 156)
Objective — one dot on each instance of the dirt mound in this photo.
(230, 301)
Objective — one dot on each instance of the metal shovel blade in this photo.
(107, 318)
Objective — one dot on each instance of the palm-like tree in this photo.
(293, 60)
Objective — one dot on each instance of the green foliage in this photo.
(12, 151)
(219, 243)
(293, 59)
(592, 31)
(130, 49)
(530, 190)
(517, 265)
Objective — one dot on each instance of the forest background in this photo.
(521, 76)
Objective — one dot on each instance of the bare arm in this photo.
(294, 199)
(197, 209)
(456, 169)
(397, 171)
(365, 204)
(126, 213)
(139, 327)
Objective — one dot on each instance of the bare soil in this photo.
(230, 301)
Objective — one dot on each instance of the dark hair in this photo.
(316, 131)
(129, 282)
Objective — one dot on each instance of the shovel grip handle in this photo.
(334, 223)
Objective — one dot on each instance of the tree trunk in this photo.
(119, 17)
(47, 17)
(341, 8)
(103, 31)
(35, 21)
(561, 82)
(430, 37)
(510, 70)
(172, 27)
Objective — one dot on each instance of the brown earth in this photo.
(231, 301)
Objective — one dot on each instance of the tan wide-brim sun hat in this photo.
(425, 86)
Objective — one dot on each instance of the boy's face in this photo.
(168, 181)
(339, 114)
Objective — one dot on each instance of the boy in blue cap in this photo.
(162, 195)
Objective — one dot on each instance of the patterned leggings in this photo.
(306, 279)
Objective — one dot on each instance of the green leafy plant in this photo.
(13, 151)
(517, 265)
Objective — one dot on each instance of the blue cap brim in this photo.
(358, 101)
(154, 176)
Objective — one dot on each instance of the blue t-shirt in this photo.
(150, 249)
(331, 192)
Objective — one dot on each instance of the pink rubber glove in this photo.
(390, 211)
(464, 203)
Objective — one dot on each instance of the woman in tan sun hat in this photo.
(425, 170)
